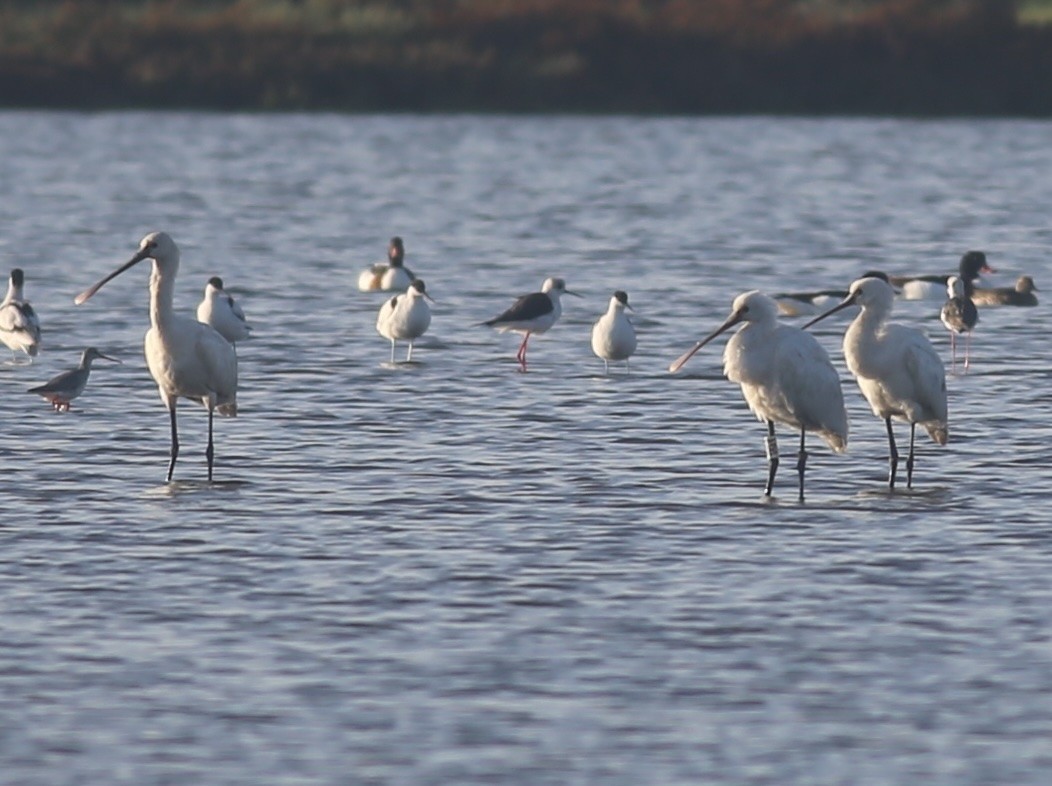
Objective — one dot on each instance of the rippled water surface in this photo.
(452, 572)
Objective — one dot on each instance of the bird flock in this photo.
(786, 376)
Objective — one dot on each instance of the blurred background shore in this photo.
(869, 57)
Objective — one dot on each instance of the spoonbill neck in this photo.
(162, 292)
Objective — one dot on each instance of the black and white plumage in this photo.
(62, 389)
(531, 314)
(1022, 294)
(222, 312)
(972, 264)
(405, 317)
(392, 276)
(613, 335)
(19, 325)
(959, 315)
(796, 304)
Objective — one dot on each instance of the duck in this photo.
(393, 276)
(972, 264)
(1022, 294)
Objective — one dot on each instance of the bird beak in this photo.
(987, 269)
(681, 361)
(107, 357)
(848, 301)
(87, 293)
(568, 292)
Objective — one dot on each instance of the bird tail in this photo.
(938, 430)
(837, 442)
(228, 410)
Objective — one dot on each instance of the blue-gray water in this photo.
(456, 573)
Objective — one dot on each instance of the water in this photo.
(457, 573)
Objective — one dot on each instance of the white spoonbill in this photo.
(19, 325)
(391, 277)
(186, 358)
(61, 390)
(896, 367)
(785, 375)
(222, 312)
(613, 336)
(531, 314)
(405, 317)
(972, 264)
(959, 315)
(1022, 294)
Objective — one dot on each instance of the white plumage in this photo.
(186, 358)
(897, 369)
(405, 317)
(222, 312)
(531, 314)
(19, 325)
(785, 376)
(613, 336)
(392, 276)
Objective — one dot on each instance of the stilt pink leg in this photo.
(953, 352)
(521, 355)
(967, 350)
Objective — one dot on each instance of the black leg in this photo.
(893, 455)
(909, 460)
(772, 457)
(175, 442)
(210, 451)
(801, 463)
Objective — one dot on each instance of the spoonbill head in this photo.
(785, 377)
(186, 358)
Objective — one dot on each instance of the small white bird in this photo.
(19, 325)
(959, 315)
(785, 375)
(531, 314)
(897, 369)
(613, 336)
(65, 387)
(393, 276)
(405, 317)
(222, 312)
(186, 358)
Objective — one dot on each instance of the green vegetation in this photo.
(856, 56)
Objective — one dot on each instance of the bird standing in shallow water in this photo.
(959, 315)
(896, 367)
(785, 375)
(391, 277)
(19, 325)
(532, 314)
(222, 312)
(186, 358)
(61, 390)
(405, 317)
(613, 336)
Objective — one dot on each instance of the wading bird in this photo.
(222, 312)
(896, 367)
(19, 326)
(959, 315)
(613, 336)
(405, 317)
(785, 375)
(61, 390)
(532, 314)
(186, 358)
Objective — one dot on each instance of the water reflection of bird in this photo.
(896, 367)
(959, 315)
(405, 317)
(19, 325)
(531, 314)
(613, 336)
(186, 358)
(785, 375)
(65, 387)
